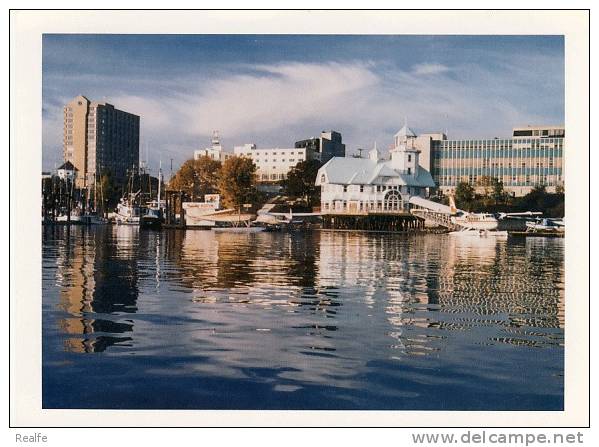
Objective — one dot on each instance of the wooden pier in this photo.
(393, 222)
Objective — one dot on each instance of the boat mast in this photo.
(159, 181)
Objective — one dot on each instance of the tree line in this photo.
(236, 181)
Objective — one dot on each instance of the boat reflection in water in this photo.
(322, 320)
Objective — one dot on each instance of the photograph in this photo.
(305, 220)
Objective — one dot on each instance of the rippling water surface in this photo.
(322, 320)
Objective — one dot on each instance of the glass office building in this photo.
(532, 156)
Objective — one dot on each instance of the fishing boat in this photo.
(151, 217)
(152, 214)
(128, 212)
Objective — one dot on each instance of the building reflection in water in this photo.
(97, 283)
(302, 308)
(445, 283)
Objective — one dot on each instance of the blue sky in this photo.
(273, 90)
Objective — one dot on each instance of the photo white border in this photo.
(26, 32)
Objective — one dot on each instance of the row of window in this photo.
(367, 188)
(267, 153)
(516, 180)
(446, 144)
(498, 171)
(505, 154)
(390, 204)
(267, 177)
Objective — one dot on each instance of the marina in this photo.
(306, 248)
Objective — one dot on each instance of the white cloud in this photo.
(278, 104)
(429, 69)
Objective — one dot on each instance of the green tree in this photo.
(197, 177)
(486, 183)
(498, 192)
(237, 182)
(464, 195)
(301, 182)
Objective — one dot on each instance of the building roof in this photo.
(68, 166)
(363, 171)
(405, 131)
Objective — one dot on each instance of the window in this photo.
(344, 188)
(323, 178)
(409, 171)
(409, 157)
(361, 188)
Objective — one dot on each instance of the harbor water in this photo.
(177, 319)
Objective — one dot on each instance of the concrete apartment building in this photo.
(273, 164)
(98, 139)
(532, 156)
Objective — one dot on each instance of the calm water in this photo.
(323, 320)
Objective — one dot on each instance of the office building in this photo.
(99, 139)
(325, 147)
(532, 156)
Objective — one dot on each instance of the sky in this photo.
(273, 90)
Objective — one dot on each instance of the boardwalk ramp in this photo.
(434, 212)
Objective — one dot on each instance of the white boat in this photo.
(546, 225)
(75, 218)
(127, 212)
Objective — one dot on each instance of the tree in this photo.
(486, 183)
(237, 182)
(197, 177)
(301, 182)
(464, 194)
(107, 192)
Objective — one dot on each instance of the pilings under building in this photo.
(393, 222)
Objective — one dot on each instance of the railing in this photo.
(366, 212)
(440, 219)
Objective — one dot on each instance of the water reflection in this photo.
(97, 283)
(368, 315)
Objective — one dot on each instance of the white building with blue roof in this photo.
(373, 184)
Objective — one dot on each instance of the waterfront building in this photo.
(273, 164)
(67, 171)
(99, 139)
(325, 147)
(352, 185)
(215, 151)
(532, 156)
